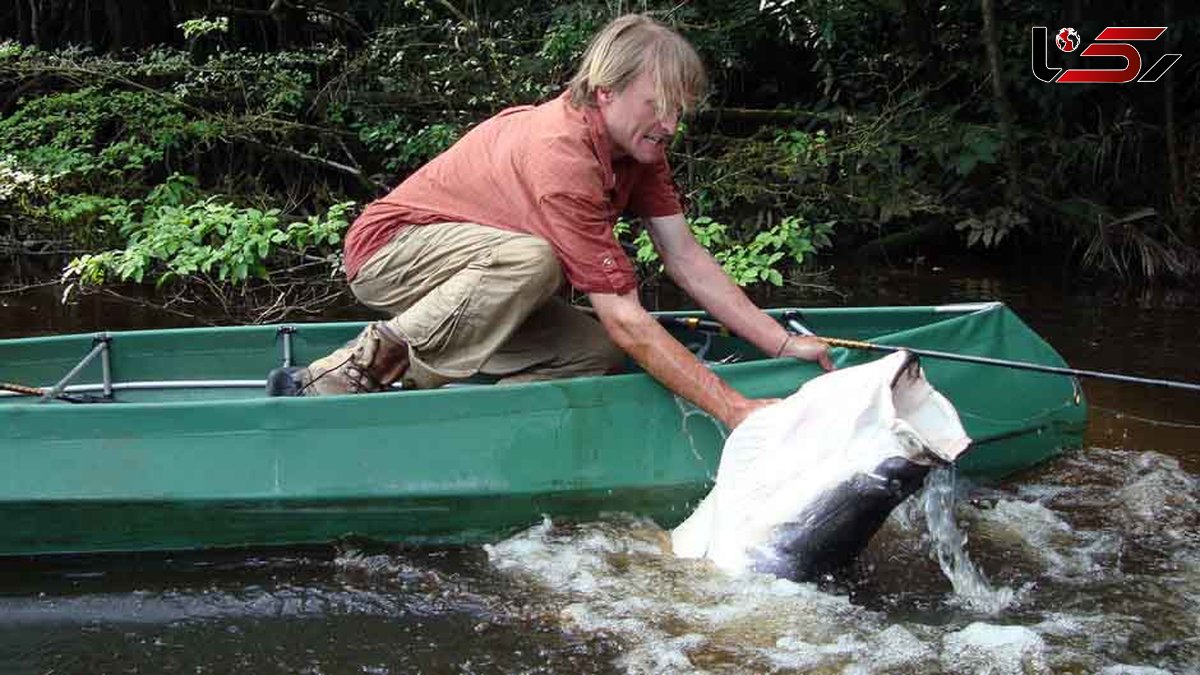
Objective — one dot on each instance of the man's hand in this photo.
(807, 348)
(750, 405)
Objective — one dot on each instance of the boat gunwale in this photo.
(941, 314)
(938, 312)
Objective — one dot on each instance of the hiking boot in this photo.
(369, 363)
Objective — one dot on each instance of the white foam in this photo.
(1042, 535)
(986, 649)
(1122, 669)
(676, 615)
(895, 649)
(1161, 493)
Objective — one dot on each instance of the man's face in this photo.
(634, 126)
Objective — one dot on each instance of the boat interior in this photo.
(232, 362)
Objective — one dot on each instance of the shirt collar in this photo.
(598, 135)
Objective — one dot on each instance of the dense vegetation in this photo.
(204, 145)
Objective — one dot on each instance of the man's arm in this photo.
(695, 270)
(636, 332)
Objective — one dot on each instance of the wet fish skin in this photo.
(838, 525)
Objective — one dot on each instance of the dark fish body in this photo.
(831, 531)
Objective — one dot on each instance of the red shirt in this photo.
(545, 171)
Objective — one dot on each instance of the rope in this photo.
(855, 344)
(22, 389)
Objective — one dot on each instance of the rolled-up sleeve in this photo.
(579, 229)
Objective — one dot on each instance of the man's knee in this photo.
(534, 263)
(546, 269)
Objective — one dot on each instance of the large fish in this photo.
(804, 484)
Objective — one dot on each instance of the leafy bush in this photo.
(18, 186)
(172, 235)
(836, 111)
(764, 257)
(10, 50)
(194, 28)
(405, 149)
(92, 136)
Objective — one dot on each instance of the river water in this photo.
(1089, 564)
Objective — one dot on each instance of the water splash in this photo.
(616, 578)
(971, 587)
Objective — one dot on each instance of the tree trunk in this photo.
(116, 27)
(22, 24)
(35, 23)
(61, 14)
(1012, 191)
(1174, 172)
(89, 37)
(919, 36)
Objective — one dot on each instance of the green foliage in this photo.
(895, 166)
(19, 186)
(172, 235)
(764, 257)
(874, 115)
(989, 230)
(428, 142)
(977, 146)
(800, 148)
(406, 149)
(644, 252)
(24, 196)
(1131, 244)
(92, 136)
(10, 50)
(570, 29)
(790, 242)
(445, 65)
(251, 86)
(83, 215)
(193, 28)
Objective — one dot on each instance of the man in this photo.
(467, 253)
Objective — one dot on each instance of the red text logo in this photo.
(1112, 41)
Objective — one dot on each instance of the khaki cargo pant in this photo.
(470, 299)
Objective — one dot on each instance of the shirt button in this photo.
(609, 262)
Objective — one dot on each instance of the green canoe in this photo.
(190, 453)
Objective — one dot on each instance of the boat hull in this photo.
(185, 469)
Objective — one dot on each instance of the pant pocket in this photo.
(431, 321)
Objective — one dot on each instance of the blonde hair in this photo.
(633, 44)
